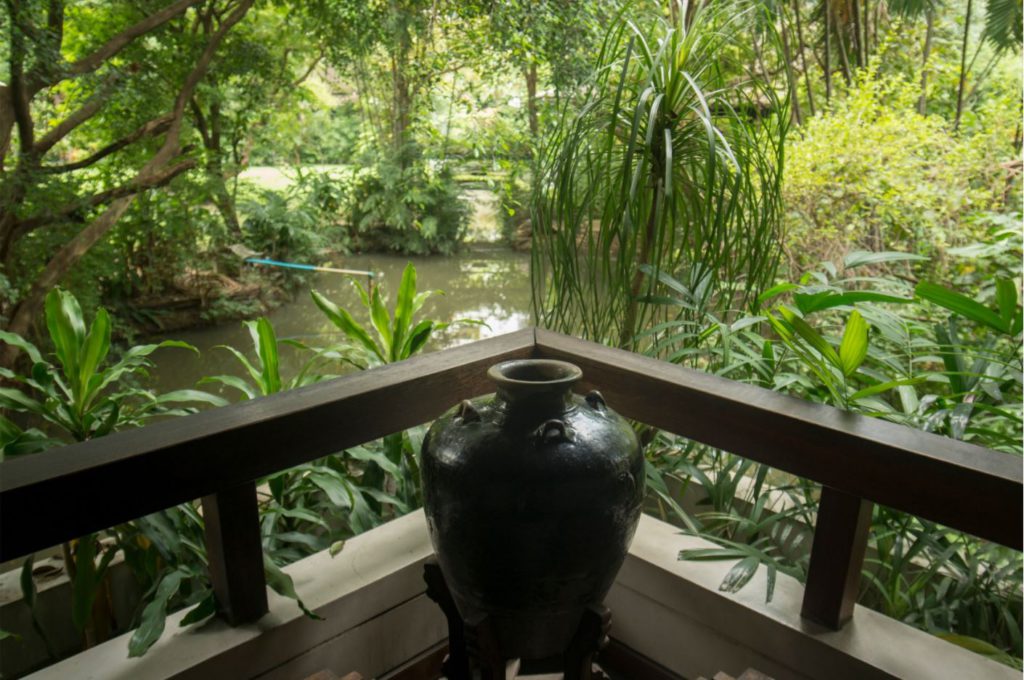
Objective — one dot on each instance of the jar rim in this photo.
(535, 374)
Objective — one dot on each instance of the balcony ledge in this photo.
(377, 617)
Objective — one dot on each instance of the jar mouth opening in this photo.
(535, 374)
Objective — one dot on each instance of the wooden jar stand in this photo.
(474, 641)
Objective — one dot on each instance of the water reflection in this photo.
(486, 283)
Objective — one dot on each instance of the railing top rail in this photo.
(65, 493)
(84, 487)
(958, 484)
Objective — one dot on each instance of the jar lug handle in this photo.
(596, 400)
(467, 413)
(555, 430)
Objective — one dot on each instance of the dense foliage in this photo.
(818, 197)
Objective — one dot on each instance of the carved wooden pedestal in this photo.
(473, 643)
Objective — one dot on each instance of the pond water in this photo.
(487, 283)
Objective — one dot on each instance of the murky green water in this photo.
(486, 283)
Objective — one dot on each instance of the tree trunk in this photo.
(531, 100)
(803, 55)
(58, 266)
(828, 51)
(794, 94)
(857, 44)
(866, 40)
(844, 56)
(963, 68)
(922, 102)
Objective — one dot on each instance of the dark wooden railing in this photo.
(217, 455)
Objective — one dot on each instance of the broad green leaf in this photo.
(206, 608)
(94, 351)
(403, 309)
(812, 337)
(775, 291)
(344, 321)
(335, 488)
(28, 584)
(381, 320)
(365, 454)
(85, 583)
(154, 616)
(853, 348)
(828, 299)
(282, 584)
(16, 400)
(268, 355)
(739, 575)
(1006, 299)
(67, 331)
(418, 337)
(231, 381)
(859, 258)
(21, 343)
(885, 387)
(962, 305)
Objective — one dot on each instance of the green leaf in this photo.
(403, 309)
(739, 575)
(85, 585)
(21, 343)
(859, 258)
(775, 291)
(1006, 299)
(94, 350)
(344, 321)
(886, 386)
(962, 305)
(206, 608)
(364, 454)
(28, 584)
(231, 381)
(812, 337)
(335, 487)
(268, 355)
(282, 584)
(381, 320)
(853, 348)
(825, 300)
(67, 331)
(154, 616)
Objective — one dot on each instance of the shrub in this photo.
(408, 209)
(873, 174)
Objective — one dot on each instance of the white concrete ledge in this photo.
(377, 617)
(672, 612)
(371, 598)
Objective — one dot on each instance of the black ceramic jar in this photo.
(532, 496)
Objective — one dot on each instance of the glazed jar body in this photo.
(532, 497)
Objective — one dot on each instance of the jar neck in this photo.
(528, 386)
(523, 403)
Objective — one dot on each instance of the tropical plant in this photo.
(83, 397)
(396, 336)
(863, 343)
(659, 167)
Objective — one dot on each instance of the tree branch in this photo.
(94, 60)
(86, 111)
(152, 127)
(130, 189)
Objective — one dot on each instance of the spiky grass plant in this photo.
(672, 164)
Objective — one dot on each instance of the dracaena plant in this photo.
(77, 396)
(396, 335)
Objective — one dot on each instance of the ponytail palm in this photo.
(670, 166)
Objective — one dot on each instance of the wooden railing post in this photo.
(840, 539)
(235, 552)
